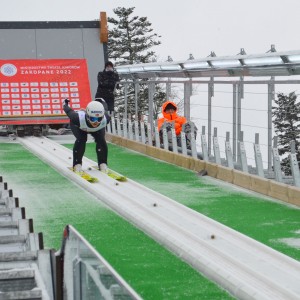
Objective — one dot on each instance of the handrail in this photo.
(80, 260)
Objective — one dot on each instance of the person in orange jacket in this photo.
(169, 111)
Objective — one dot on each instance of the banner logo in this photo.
(8, 70)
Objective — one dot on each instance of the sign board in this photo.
(32, 90)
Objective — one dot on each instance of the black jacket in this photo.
(107, 81)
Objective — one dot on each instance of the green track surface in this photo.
(53, 201)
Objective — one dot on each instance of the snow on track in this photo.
(241, 265)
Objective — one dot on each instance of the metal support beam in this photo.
(136, 96)
(168, 89)
(151, 91)
(187, 100)
(271, 94)
(234, 121)
(209, 113)
(125, 101)
(239, 110)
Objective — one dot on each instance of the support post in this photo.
(119, 131)
(216, 147)
(234, 126)
(157, 139)
(168, 89)
(130, 133)
(204, 145)
(183, 143)
(294, 165)
(210, 95)
(271, 93)
(136, 96)
(239, 109)
(143, 135)
(258, 157)
(242, 152)
(125, 101)
(136, 131)
(228, 151)
(276, 162)
(151, 91)
(187, 100)
(174, 141)
(165, 139)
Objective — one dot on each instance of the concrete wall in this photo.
(279, 191)
(50, 40)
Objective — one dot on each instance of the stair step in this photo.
(16, 274)
(9, 224)
(10, 239)
(18, 256)
(18, 295)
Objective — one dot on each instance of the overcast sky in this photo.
(192, 26)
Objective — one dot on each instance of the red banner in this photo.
(32, 90)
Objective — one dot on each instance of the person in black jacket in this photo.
(107, 82)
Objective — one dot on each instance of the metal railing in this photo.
(86, 274)
(142, 132)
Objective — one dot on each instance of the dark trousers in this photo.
(81, 139)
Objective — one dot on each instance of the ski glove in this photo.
(66, 102)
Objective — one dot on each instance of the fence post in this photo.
(216, 147)
(258, 157)
(204, 145)
(228, 151)
(242, 152)
(276, 162)
(294, 165)
(174, 141)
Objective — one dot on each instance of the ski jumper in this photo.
(81, 128)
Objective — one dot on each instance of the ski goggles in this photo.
(95, 119)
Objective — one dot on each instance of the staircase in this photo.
(26, 271)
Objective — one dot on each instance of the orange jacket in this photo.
(178, 120)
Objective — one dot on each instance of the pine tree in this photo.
(286, 122)
(131, 40)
